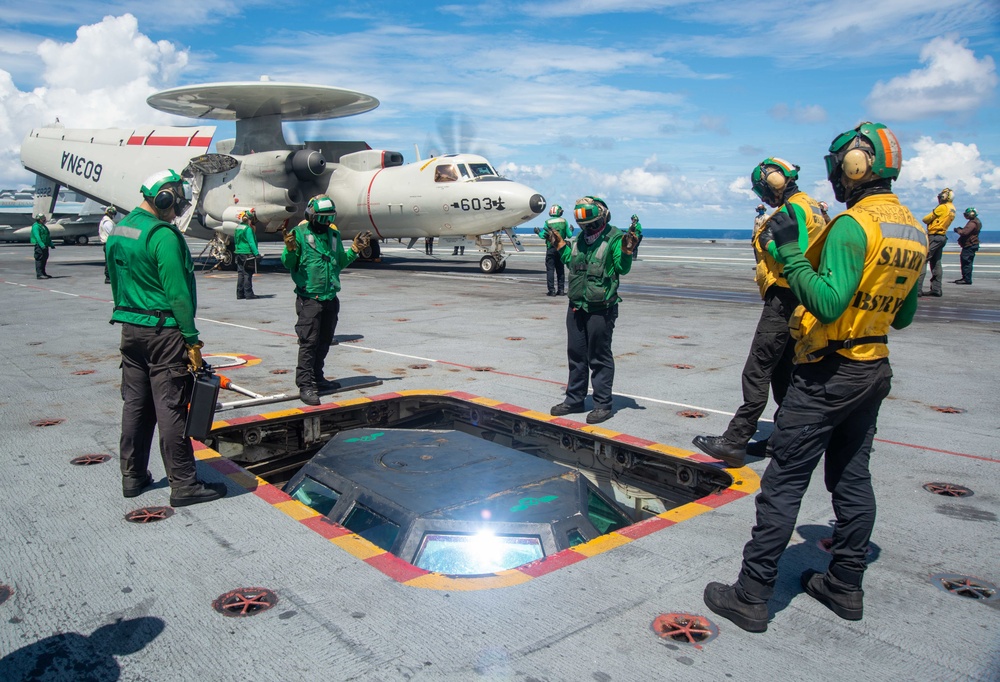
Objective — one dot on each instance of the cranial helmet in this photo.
(823, 206)
(770, 178)
(555, 211)
(248, 216)
(971, 213)
(40, 217)
(167, 189)
(590, 211)
(859, 156)
(945, 195)
(321, 209)
(111, 211)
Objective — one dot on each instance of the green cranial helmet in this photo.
(555, 211)
(871, 140)
(770, 178)
(590, 210)
(111, 211)
(321, 209)
(971, 212)
(167, 189)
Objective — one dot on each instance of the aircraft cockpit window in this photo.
(373, 527)
(484, 552)
(480, 170)
(316, 496)
(605, 518)
(464, 170)
(446, 173)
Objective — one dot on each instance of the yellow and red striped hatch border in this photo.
(745, 482)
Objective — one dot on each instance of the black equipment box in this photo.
(201, 411)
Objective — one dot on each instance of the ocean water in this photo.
(985, 237)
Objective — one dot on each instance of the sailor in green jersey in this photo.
(43, 242)
(555, 271)
(598, 256)
(769, 362)
(245, 248)
(636, 227)
(153, 285)
(853, 284)
(314, 254)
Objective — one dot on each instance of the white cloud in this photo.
(953, 81)
(810, 113)
(99, 80)
(741, 188)
(938, 165)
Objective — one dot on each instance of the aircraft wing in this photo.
(105, 164)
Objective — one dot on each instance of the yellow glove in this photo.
(194, 356)
(361, 241)
(629, 241)
(290, 242)
(555, 240)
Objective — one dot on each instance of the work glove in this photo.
(291, 243)
(784, 226)
(361, 241)
(194, 356)
(765, 237)
(555, 239)
(630, 240)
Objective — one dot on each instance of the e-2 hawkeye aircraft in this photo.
(456, 195)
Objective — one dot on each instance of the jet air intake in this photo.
(306, 164)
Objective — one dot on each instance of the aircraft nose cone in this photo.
(536, 203)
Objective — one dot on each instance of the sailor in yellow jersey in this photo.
(852, 285)
(937, 222)
(769, 362)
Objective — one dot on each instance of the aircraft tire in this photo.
(488, 264)
(82, 240)
(373, 252)
(502, 266)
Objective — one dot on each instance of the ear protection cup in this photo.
(856, 164)
(164, 199)
(776, 180)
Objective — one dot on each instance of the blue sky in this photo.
(662, 107)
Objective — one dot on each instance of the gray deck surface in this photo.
(95, 597)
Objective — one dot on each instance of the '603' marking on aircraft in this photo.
(457, 195)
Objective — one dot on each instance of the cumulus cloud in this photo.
(953, 81)
(810, 113)
(954, 164)
(100, 80)
(741, 188)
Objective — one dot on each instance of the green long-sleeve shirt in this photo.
(245, 241)
(40, 235)
(317, 261)
(828, 291)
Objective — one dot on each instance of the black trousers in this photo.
(245, 265)
(935, 249)
(316, 325)
(555, 271)
(769, 363)
(831, 409)
(104, 246)
(41, 258)
(156, 387)
(589, 350)
(968, 255)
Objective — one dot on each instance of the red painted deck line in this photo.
(395, 568)
(644, 528)
(554, 562)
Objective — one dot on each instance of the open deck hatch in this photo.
(459, 488)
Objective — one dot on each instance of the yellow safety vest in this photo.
(940, 218)
(894, 258)
(769, 271)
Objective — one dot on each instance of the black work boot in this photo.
(726, 602)
(600, 414)
(847, 601)
(721, 448)
(197, 493)
(133, 487)
(325, 384)
(309, 395)
(758, 448)
(565, 408)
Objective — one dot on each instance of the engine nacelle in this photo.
(306, 164)
(371, 159)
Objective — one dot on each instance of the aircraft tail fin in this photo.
(46, 193)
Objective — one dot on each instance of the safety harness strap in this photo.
(834, 346)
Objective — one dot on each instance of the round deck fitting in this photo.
(279, 371)
(47, 422)
(149, 514)
(5, 593)
(678, 336)
(401, 319)
(679, 366)
(87, 460)
(947, 410)
(685, 628)
(966, 586)
(245, 601)
(81, 372)
(482, 369)
(419, 366)
(515, 338)
(691, 414)
(948, 489)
